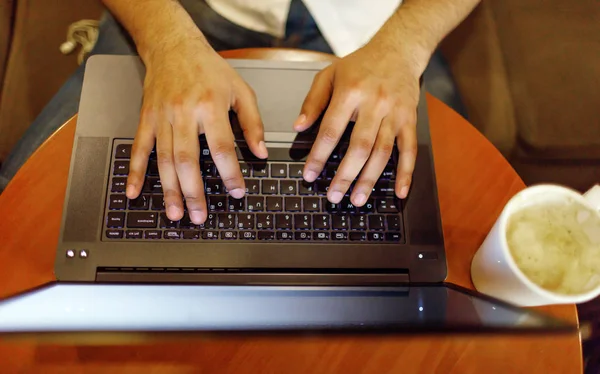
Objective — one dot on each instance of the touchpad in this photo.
(280, 94)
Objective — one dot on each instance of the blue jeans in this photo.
(301, 32)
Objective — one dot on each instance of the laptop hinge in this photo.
(253, 277)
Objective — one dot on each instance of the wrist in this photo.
(172, 43)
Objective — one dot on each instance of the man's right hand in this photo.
(189, 90)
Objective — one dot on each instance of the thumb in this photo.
(317, 99)
(249, 119)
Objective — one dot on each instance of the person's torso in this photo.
(345, 24)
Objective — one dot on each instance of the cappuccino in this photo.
(556, 244)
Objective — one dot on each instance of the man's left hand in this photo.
(379, 90)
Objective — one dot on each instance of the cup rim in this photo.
(582, 297)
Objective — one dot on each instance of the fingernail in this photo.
(237, 193)
(300, 120)
(130, 190)
(310, 176)
(336, 197)
(360, 199)
(173, 211)
(403, 192)
(196, 216)
(263, 148)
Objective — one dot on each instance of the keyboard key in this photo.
(274, 204)
(288, 187)
(210, 235)
(339, 222)
(323, 235)
(123, 151)
(141, 220)
(191, 235)
(321, 221)
(375, 236)
(330, 207)
(158, 202)
(387, 205)
(266, 235)
(389, 172)
(115, 219)
(260, 170)
(358, 222)
(121, 167)
(245, 169)
(152, 185)
(384, 188)
(283, 221)
(217, 203)
(346, 206)
(285, 235)
(171, 234)
(118, 184)
(208, 169)
(293, 204)
(376, 222)
(311, 204)
(133, 234)
(142, 202)
(226, 221)
(303, 235)
(264, 221)
(358, 236)
(248, 235)
(245, 221)
(236, 205)
(152, 168)
(152, 234)
(114, 234)
(270, 187)
(296, 170)
(211, 221)
(369, 206)
(186, 223)
(117, 202)
(252, 186)
(165, 222)
(302, 221)
(322, 186)
(392, 236)
(256, 203)
(278, 170)
(229, 235)
(339, 235)
(204, 150)
(213, 186)
(393, 222)
(330, 170)
(307, 188)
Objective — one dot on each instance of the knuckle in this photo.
(361, 147)
(184, 158)
(221, 150)
(329, 135)
(384, 149)
(164, 157)
(171, 196)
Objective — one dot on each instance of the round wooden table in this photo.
(474, 183)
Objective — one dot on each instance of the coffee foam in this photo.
(555, 242)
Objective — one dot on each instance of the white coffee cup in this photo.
(494, 271)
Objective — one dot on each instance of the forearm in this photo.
(418, 26)
(156, 25)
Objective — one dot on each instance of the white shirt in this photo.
(346, 24)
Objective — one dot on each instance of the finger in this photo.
(167, 171)
(362, 140)
(248, 115)
(334, 123)
(407, 147)
(140, 152)
(317, 99)
(380, 155)
(221, 144)
(186, 152)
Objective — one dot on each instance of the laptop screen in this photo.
(189, 308)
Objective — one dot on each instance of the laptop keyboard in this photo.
(278, 206)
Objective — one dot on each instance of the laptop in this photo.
(281, 259)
